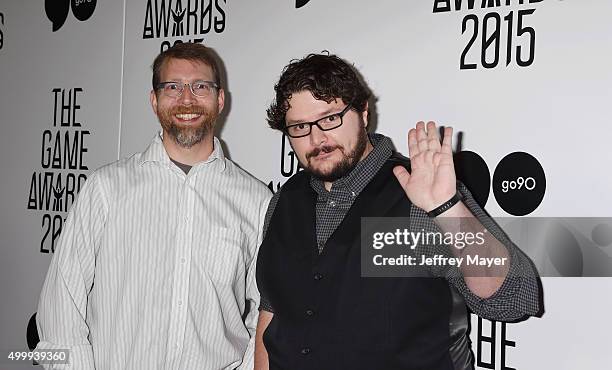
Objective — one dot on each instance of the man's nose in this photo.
(317, 136)
(187, 97)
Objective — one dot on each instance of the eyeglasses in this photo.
(198, 88)
(324, 124)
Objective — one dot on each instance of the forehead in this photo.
(183, 69)
(305, 107)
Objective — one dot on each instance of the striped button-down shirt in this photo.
(155, 268)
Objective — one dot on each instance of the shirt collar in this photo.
(357, 179)
(156, 152)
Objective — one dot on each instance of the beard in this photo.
(345, 165)
(187, 135)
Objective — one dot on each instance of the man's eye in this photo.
(301, 126)
(201, 86)
(172, 87)
(329, 119)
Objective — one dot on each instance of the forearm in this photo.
(61, 320)
(482, 279)
(261, 355)
(519, 293)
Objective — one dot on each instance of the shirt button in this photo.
(309, 312)
(182, 260)
(318, 276)
(305, 351)
(186, 218)
(180, 302)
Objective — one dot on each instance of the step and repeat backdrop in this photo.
(526, 84)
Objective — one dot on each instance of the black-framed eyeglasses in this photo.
(175, 89)
(324, 124)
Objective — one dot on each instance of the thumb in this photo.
(402, 175)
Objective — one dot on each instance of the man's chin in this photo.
(328, 174)
(188, 141)
(325, 161)
(187, 137)
(187, 125)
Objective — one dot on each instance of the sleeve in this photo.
(265, 304)
(62, 308)
(519, 294)
(252, 295)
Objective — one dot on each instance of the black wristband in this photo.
(445, 206)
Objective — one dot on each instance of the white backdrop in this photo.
(556, 109)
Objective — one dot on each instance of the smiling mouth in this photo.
(187, 116)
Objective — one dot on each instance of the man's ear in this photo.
(364, 115)
(221, 99)
(153, 99)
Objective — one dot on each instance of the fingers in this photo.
(413, 147)
(429, 156)
(421, 136)
(436, 159)
(401, 174)
(421, 140)
(427, 139)
(447, 141)
(433, 139)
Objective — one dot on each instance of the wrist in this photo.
(442, 208)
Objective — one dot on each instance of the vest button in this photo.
(309, 312)
(305, 351)
(318, 276)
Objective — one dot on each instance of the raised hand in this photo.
(432, 180)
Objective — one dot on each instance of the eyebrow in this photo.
(178, 80)
(324, 114)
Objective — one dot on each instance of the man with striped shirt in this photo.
(155, 265)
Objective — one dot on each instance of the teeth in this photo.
(187, 117)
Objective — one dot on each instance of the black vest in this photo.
(326, 316)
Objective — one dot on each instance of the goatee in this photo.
(345, 165)
(187, 135)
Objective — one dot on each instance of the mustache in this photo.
(325, 149)
(188, 110)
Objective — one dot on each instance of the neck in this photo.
(190, 156)
(368, 149)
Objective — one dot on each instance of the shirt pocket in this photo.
(220, 256)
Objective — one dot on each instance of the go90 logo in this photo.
(519, 182)
(57, 11)
(508, 185)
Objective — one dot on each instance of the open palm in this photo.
(431, 181)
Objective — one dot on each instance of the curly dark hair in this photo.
(326, 76)
(189, 51)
